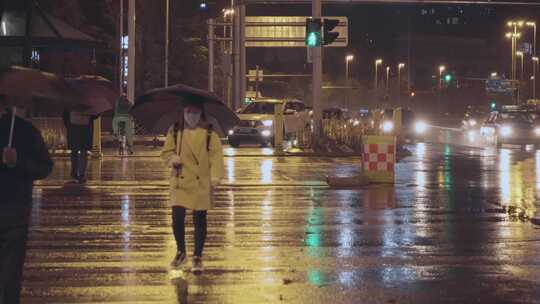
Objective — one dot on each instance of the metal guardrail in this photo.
(341, 132)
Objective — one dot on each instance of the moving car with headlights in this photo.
(510, 125)
(411, 128)
(474, 117)
(257, 121)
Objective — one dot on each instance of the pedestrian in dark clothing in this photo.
(21, 164)
(80, 133)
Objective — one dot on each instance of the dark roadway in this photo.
(457, 227)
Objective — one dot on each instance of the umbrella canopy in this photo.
(158, 109)
(97, 93)
(34, 89)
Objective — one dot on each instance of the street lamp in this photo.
(535, 67)
(348, 59)
(387, 78)
(514, 35)
(400, 66)
(494, 74)
(377, 63)
(533, 25)
(521, 55)
(442, 68)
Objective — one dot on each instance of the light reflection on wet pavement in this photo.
(456, 228)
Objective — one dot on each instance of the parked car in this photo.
(257, 121)
(510, 125)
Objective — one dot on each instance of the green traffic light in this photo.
(313, 39)
(448, 78)
(493, 105)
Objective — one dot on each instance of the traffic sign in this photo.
(497, 85)
(288, 31)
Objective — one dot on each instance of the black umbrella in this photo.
(159, 109)
(33, 89)
(97, 93)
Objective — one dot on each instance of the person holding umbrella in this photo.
(194, 154)
(24, 159)
(80, 132)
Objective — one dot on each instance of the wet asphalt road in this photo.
(459, 226)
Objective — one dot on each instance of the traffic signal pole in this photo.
(211, 38)
(316, 10)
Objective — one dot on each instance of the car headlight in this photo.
(471, 135)
(231, 132)
(505, 131)
(420, 127)
(537, 131)
(267, 123)
(387, 126)
(266, 133)
(472, 122)
(356, 123)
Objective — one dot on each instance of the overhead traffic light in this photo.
(328, 35)
(313, 32)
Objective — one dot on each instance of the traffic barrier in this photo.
(53, 131)
(379, 158)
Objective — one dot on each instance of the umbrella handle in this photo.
(10, 142)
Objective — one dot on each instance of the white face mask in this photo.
(192, 118)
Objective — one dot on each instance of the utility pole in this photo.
(131, 50)
(400, 66)
(167, 38)
(211, 55)
(535, 67)
(242, 42)
(121, 52)
(236, 59)
(316, 11)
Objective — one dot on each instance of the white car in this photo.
(257, 121)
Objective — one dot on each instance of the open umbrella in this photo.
(33, 89)
(97, 93)
(158, 109)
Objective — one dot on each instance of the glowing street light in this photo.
(514, 35)
(377, 63)
(533, 25)
(400, 67)
(494, 74)
(348, 59)
(535, 67)
(228, 12)
(521, 55)
(442, 68)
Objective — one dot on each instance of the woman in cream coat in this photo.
(194, 155)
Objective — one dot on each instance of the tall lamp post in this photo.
(521, 55)
(400, 66)
(348, 59)
(533, 25)
(535, 67)
(442, 68)
(514, 35)
(387, 79)
(377, 63)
